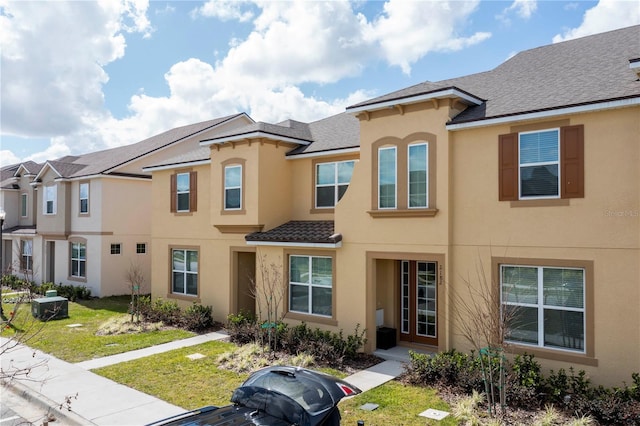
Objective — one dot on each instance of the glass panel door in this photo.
(418, 302)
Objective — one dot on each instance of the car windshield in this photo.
(312, 397)
(270, 402)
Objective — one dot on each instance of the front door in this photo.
(418, 302)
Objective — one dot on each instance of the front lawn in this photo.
(74, 339)
(192, 384)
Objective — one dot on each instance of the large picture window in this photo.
(233, 187)
(78, 260)
(332, 181)
(544, 306)
(311, 285)
(184, 272)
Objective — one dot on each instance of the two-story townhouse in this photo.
(520, 187)
(88, 216)
(517, 187)
(285, 178)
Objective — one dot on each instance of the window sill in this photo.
(311, 318)
(78, 279)
(322, 210)
(194, 299)
(233, 212)
(186, 213)
(403, 213)
(550, 354)
(551, 202)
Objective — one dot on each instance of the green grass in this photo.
(174, 378)
(399, 404)
(191, 384)
(75, 344)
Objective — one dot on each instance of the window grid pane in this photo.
(185, 272)
(332, 181)
(555, 318)
(310, 285)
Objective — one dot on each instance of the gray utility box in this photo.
(47, 308)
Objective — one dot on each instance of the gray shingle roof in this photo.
(339, 131)
(107, 160)
(299, 231)
(287, 129)
(576, 72)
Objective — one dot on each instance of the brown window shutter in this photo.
(572, 161)
(508, 167)
(193, 191)
(174, 193)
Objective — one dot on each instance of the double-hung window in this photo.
(404, 177)
(116, 248)
(184, 280)
(184, 192)
(50, 195)
(78, 260)
(23, 205)
(332, 181)
(418, 160)
(233, 187)
(311, 285)
(387, 177)
(26, 261)
(84, 197)
(141, 248)
(544, 306)
(542, 164)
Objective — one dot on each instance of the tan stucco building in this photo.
(522, 181)
(84, 220)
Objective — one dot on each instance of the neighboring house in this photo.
(85, 220)
(522, 181)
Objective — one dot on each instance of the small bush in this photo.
(198, 317)
(452, 368)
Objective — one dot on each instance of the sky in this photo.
(84, 75)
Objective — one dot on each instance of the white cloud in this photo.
(225, 10)
(522, 8)
(292, 43)
(53, 58)
(605, 16)
(408, 30)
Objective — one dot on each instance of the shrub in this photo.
(198, 317)
(166, 311)
(242, 328)
(451, 368)
(524, 382)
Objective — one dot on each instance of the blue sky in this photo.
(81, 76)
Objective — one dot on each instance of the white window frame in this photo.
(395, 177)
(310, 285)
(115, 249)
(83, 198)
(542, 163)
(426, 159)
(26, 255)
(50, 196)
(228, 187)
(336, 184)
(141, 248)
(186, 272)
(187, 191)
(79, 260)
(24, 204)
(541, 306)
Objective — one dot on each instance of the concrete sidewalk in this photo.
(96, 400)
